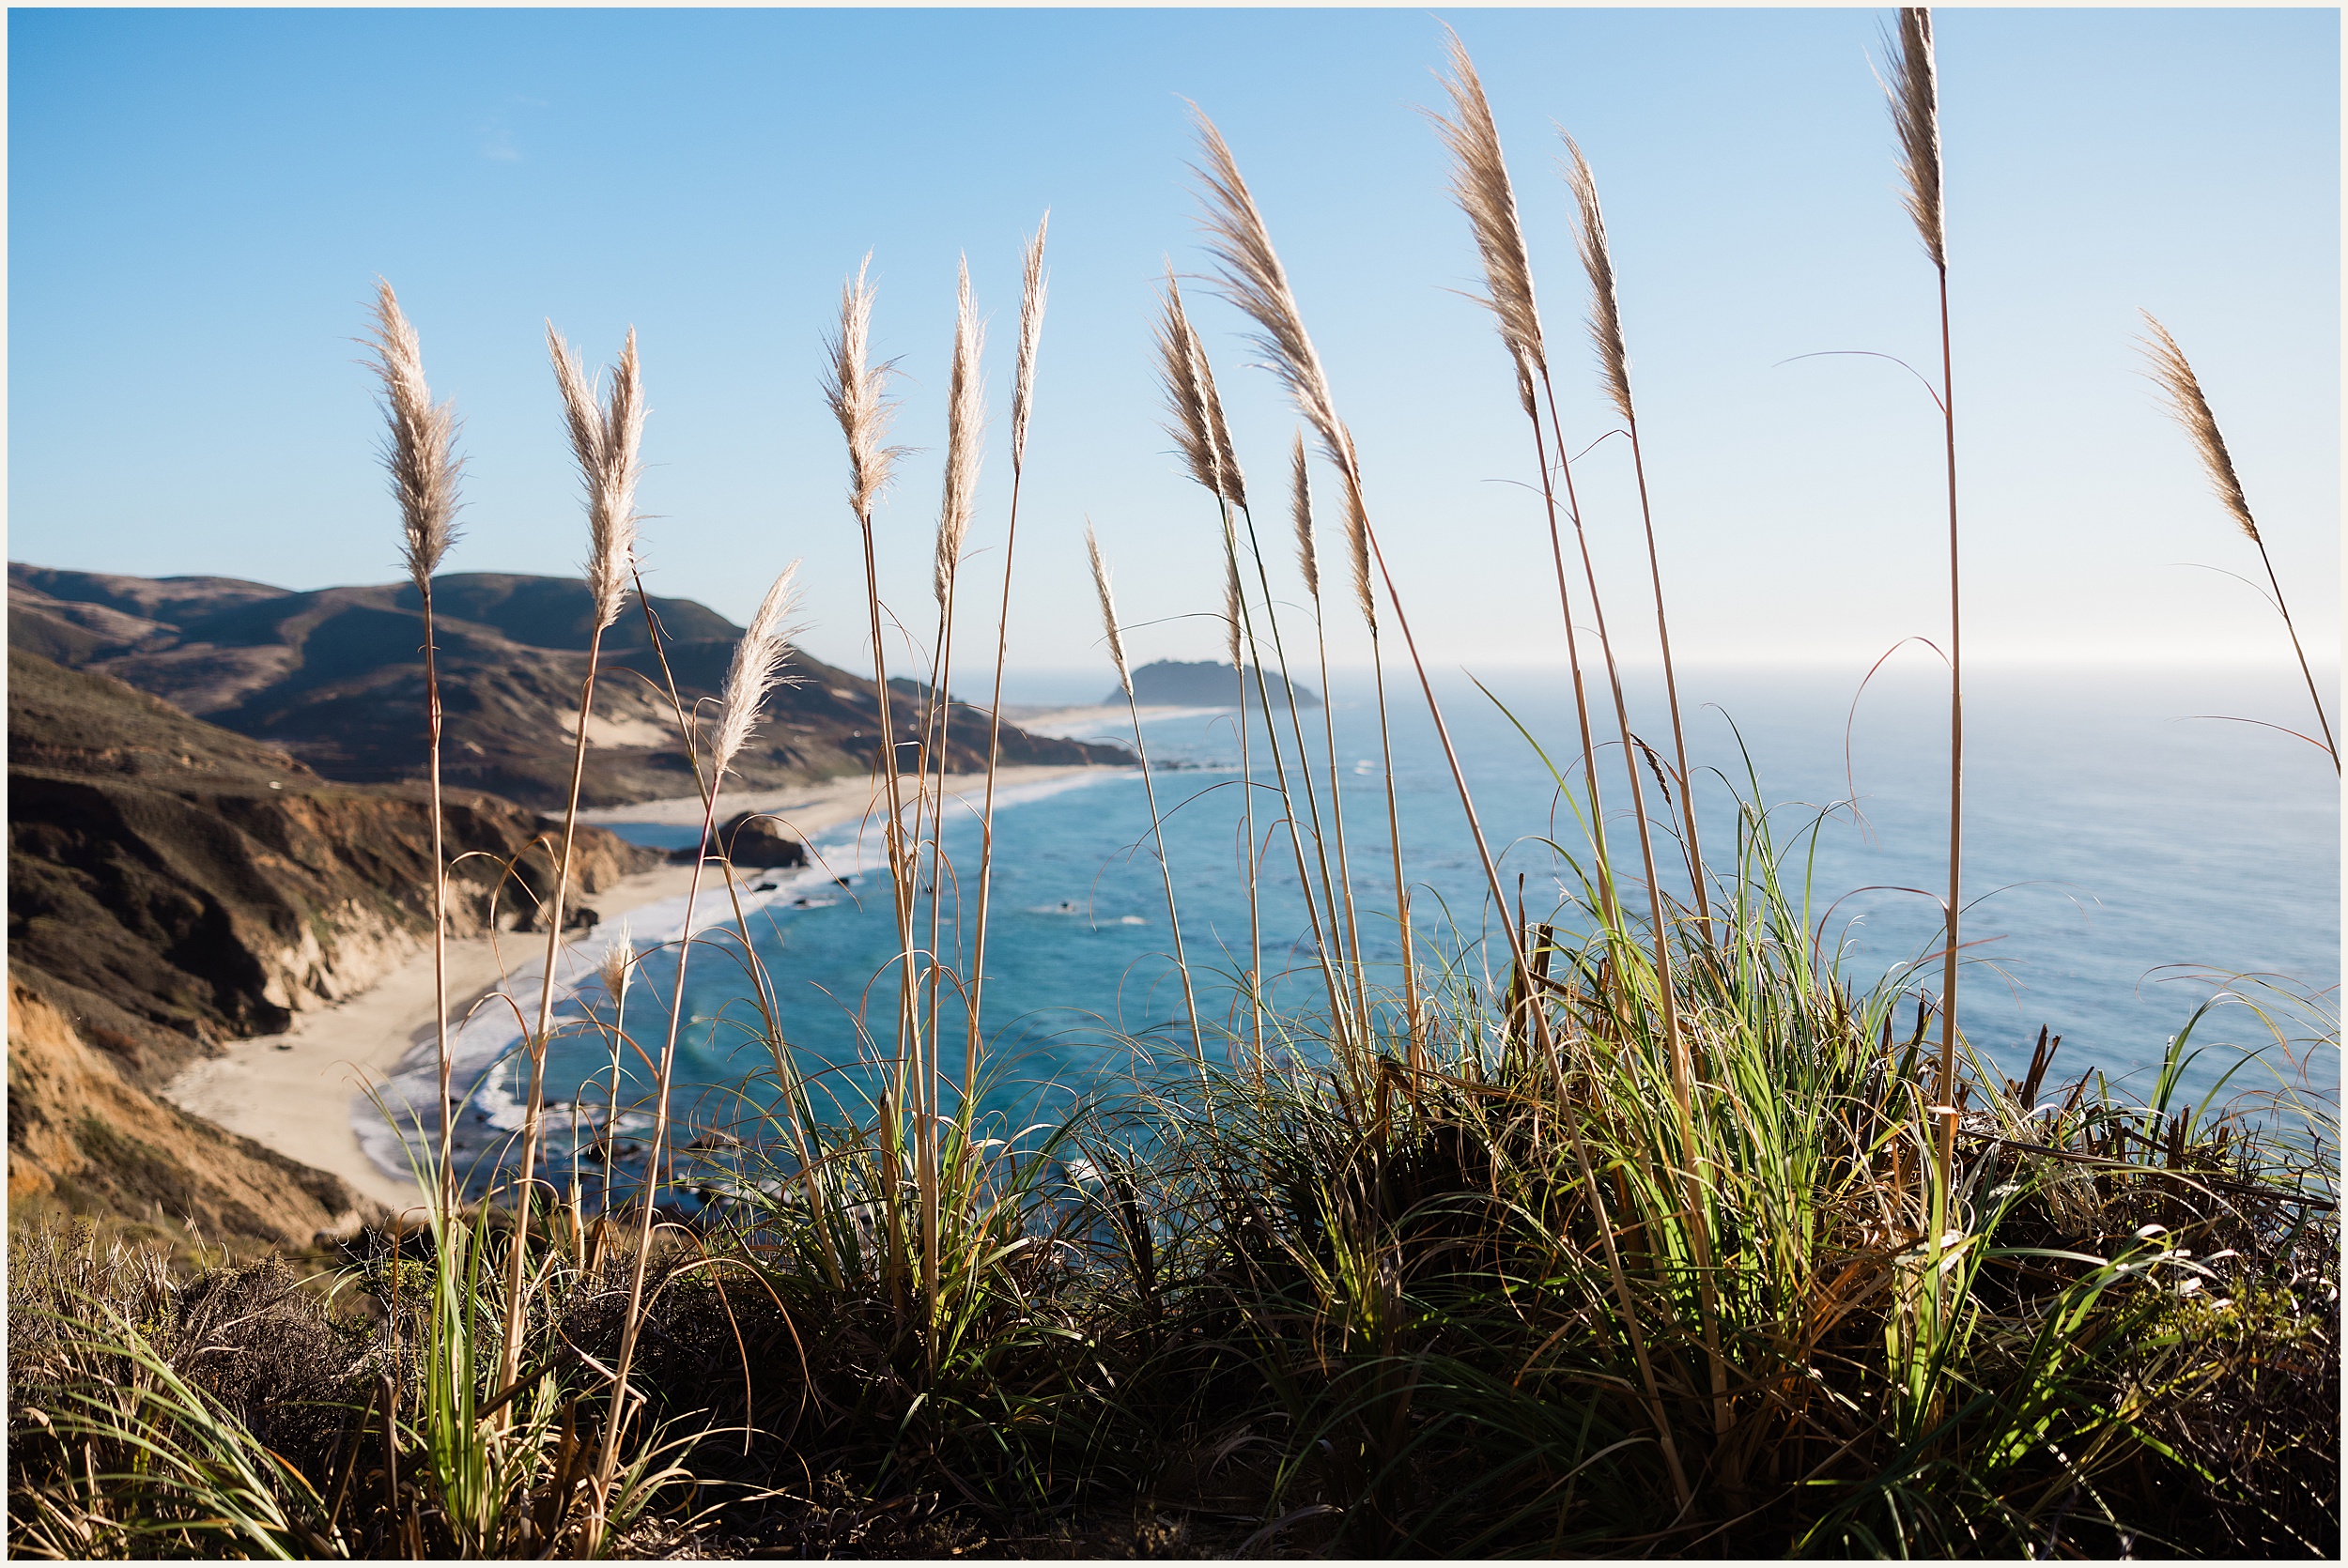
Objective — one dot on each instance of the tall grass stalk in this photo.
(1308, 567)
(756, 668)
(1483, 191)
(1914, 92)
(1233, 613)
(793, 1089)
(1206, 446)
(1031, 299)
(2174, 376)
(606, 436)
(1115, 638)
(420, 455)
(965, 421)
(1615, 360)
(856, 392)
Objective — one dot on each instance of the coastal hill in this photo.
(172, 885)
(335, 678)
(1206, 683)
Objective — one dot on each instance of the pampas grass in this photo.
(755, 671)
(748, 679)
(605, 438)
(1115, 638)
(2174, 376)
(1914, 95)
(1614, 369)
(605, 442)
(1031, 301)
(420, 455)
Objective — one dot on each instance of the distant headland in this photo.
(1205, 684)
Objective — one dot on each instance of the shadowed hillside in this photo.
(335, 677)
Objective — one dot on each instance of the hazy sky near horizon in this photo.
(199, 202)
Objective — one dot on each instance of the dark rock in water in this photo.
(1206, 683)
(750, 839)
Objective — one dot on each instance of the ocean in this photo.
(2127, 860)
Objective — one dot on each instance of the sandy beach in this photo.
(298, 1092)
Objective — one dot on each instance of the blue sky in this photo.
(199, 201)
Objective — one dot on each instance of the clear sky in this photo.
(199, 202)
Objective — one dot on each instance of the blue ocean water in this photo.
(2126, 861)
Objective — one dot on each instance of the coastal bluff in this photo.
(172, 886)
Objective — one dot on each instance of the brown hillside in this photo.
(335, 677)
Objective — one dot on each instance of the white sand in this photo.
(297, 1092)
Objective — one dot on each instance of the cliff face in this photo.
(84, 1140)
(335, 678)
(172, 884)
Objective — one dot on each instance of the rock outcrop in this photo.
(1207, 683)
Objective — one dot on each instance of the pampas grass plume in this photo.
(420, 450)
(1300, 506)
(1109, 609)
(756, 668)
(1186, 399)
(1479, 183)
(605, 439)
(616, 967)
(2174, 376)
(1613, 361)
(1254, 280)
(966, 419)
(856, 391)
(1030, 338)
(1915, 94)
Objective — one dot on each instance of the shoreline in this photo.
(303, 1093)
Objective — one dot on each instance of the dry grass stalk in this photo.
(1158, 826)
(750, 657)
(1022, 402)
(1204, 438)
(1614, 368)
(420, 455)
(1480, 184)
(1915, 94)
(855, 390)
(1109, 611)
(606, 440)
(2174, 376)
